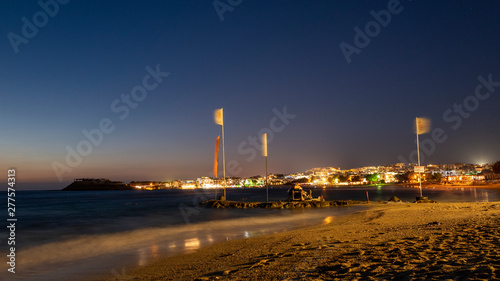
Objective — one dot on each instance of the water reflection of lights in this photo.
(143, 259)
(155, 251)
(328, 220)
(192, 244)
(144, 256)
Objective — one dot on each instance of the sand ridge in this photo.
(395, 241)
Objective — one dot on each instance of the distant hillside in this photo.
(97, 184)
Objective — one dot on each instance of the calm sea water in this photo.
(75, 235)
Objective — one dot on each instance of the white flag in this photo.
(219, 117)
(264, 144)
(423, 125)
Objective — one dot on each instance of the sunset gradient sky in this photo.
(263, 58)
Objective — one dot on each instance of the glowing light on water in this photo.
(192, 244)
(210, 238)
(155, 251)
(142, 257)
(328, 220)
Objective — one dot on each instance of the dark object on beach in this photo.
(394, 199)
(424, 199)
(97, 184)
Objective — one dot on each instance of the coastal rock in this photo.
(394, 199)
(275, 205)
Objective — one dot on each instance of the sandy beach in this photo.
(394, 241)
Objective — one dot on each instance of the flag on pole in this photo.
(264, 144)
(423, 125)
(219, 117)
(216, 158)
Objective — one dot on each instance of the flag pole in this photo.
(267, 187)
(216, 163)
(418, 153)
(264, 153)
(223, 157)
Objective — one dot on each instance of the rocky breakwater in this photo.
(277, 204)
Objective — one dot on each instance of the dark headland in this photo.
(97, 184)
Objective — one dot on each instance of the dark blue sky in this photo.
(264, 55)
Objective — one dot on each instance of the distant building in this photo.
(189, 184)
(388, 177)
(463, 179)
(323, 171)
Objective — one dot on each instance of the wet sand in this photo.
(400, 241)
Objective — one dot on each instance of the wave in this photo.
(183, 238)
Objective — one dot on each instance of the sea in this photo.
(81, 235)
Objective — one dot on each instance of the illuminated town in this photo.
(457, 174)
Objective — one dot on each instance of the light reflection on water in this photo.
(142, 257)
(328, 220)
(146, 254)
(191, 244)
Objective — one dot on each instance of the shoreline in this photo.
(402, 240)
(480, 186)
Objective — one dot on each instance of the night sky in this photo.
(334, 83)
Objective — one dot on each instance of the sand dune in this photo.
(397, 241)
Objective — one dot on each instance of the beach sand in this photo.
(394, 241)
